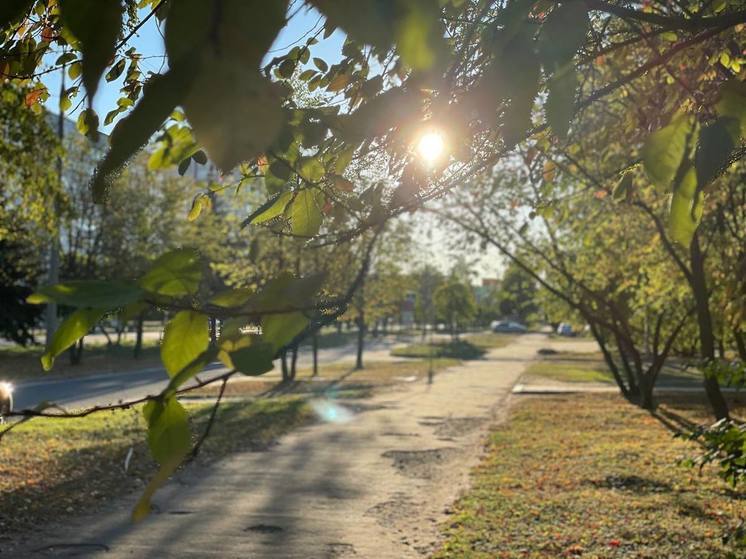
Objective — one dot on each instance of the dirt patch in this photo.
(422, 464)
(393, 512)
(340, 550)
(264, 529)
(458, 426)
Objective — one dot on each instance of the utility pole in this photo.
(54, 243)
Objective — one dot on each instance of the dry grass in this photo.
(342, 378)
(50, 467)
(591, 476)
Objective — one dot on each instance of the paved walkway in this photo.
(375, 485)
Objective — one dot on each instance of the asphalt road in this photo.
(114, 387)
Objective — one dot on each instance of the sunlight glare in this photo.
(431, 146)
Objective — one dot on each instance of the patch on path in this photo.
(340, 549)
(390, 513)
(264, 529)
(458, 426)
(421, 464)
(70, 549)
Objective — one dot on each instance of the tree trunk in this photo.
(284, 364)
(293, 362)
(704, 322)
(76, 352)
(109, 343)
(360, 339)
(138, 336)
(315, 352)
(740, 344)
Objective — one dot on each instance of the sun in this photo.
(431, 146)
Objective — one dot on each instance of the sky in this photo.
(148, 41)
(433, 242)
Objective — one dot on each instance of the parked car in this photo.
(508, 326)
(565, 329)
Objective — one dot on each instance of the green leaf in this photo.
(321, 64)
(286, 293)
(366, 21)
(88, 293)
(304, 213)
(96, 24)
(419, 34)
(271, 210)
(186, 337)
(160, 95)
(74, 327)
(231, 298)
(686, 209)
(521, 72)
(560, 104)
(143, 505)
(175, 274)
(624, 187)
(12, 10)
(169, 436)
(170, 439)
(196, 365)
(714, 148)
(87, 123)
(562, 34)
(280, 329)
(246, 97)
(254, 360)
(732, 104)
(665, 149)
(116, 70)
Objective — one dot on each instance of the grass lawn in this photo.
(591, 476)
(342, 379)
(52, 467)
(566, 366)
(472, 346)
(21, 363)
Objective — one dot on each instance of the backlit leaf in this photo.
(664, 150)
(304, 213)
(88, 293)
(74, 327)
(280, 329)
(185, 338)
(714, 148)
(176, 274)
(562, 34)
(560, 105)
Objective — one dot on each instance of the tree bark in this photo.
(704, 322)
(284, 364)
(360, 339)
(293, 362)
(740, 344)
(138, 336)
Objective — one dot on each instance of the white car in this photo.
(508, 326)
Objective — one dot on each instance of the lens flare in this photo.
(330, 412)
(431, 146)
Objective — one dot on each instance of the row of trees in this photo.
(626, 117)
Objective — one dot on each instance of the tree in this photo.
(517, 295)
(455, 304)
(30, 187)
(473, 68)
